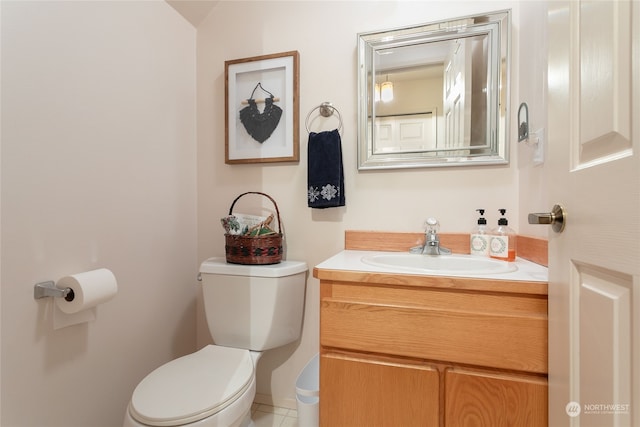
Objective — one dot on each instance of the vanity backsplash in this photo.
(530, 248)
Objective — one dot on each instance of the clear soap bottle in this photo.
(502, 244)
(479, 239)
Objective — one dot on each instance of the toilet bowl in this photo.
(214, 386)
(249, 309)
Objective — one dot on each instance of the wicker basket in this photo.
(254, 249)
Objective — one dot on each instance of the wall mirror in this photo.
(435, 94)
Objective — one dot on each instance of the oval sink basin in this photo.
(440, 264)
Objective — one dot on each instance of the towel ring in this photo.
(326, 110)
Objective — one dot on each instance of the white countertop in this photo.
(350, 260)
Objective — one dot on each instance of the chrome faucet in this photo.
(432, 241)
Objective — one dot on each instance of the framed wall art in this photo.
(261, 109)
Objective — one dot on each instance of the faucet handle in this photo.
(431, 225)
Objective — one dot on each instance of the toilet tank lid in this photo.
(282, 269)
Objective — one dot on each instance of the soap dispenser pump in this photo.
(479, 239)
(503, 240)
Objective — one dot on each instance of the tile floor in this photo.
(272, 416)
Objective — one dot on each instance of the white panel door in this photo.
(594, 265)
(406, 134)
(456, 93)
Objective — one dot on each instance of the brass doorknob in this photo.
(557, 218)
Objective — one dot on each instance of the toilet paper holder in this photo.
(49, 289)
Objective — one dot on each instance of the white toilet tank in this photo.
(255, 307)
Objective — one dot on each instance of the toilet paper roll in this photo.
(89, 289)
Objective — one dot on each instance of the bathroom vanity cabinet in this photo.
(413, 350)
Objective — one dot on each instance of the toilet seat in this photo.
(192, 387)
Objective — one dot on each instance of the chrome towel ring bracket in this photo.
(523, 122)
(326, 109)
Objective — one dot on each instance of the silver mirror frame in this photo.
(497, 25)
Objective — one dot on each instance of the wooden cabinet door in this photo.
(494, 400)
(366, 392)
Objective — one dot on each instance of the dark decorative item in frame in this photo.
(264, 127)
(260, 125)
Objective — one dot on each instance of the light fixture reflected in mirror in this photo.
(383, 91)
(386, 91)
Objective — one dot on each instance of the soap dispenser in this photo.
(479, 239)
(502, 244)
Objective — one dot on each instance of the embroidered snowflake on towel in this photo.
(329, 192)
(314, 194)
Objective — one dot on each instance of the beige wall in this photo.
(98, 170)
(325, 35)
(532, 87)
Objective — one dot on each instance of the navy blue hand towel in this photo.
(325, 176)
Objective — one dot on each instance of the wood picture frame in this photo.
(262, 109)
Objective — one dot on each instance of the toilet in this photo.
(249, 309)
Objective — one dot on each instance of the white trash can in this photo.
(308, 393)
